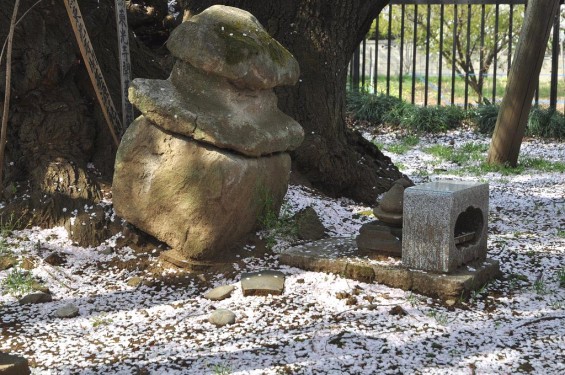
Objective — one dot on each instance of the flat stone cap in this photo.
(212, 120)
(231, 43)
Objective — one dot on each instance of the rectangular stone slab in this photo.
(262, 283)
(339, 256)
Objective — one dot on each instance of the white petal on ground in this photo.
(513, 325)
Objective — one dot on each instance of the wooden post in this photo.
(125, 64)
(522, 82)
(93, 68)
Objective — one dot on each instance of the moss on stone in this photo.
(240, 44)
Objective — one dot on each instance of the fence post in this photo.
(554, 63)
(356, 70)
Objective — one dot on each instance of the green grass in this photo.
(8, 224)
(468, 152)
(101, 320)
(477, 152)
(542, 164)
(406, 143)
(561, 277)
(17, 283)
(275, 223)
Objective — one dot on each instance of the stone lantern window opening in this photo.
(468, 227)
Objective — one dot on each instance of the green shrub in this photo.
(400, 114)
(434, 119)
(370, 107)
(484, 117)
(542, 122)
(383, 109)
(546, 123)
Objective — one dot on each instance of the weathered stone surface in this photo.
(38, 297)
(211, 144)
(13, 365)
(213, 111)
(389, 209)
(219, 293)
(7, 261)
(222, 317)
(214, 195)
(434, 214)
(378, 238)
(67, 311)
(135, 281)
(88, 228)
(339, 256)
(393, 199)
(231, 43)
(262, 283)
(55, 259)
(39, 287)
(309, 225)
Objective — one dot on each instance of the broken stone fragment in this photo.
(309, 225)
(262, 283)
(67, 311)
(220, 293)
(37, 297)
(222, 317)
(231, 43)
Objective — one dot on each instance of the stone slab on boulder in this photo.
(212, 111)
(198, 199)
(231, 43)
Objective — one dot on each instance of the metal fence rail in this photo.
(411, 58)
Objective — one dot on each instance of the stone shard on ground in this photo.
(262, 283)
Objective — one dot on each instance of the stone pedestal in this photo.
(445, 225)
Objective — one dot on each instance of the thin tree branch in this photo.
(7, 93)
(16, 24)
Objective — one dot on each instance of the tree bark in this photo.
(59, 150)
(323, 36)
(522, 82)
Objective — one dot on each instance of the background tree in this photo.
(322, 36)
(522, 82)
(479, 64)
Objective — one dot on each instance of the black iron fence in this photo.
(433, 52)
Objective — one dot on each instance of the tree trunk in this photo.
(59, 149)
(522, 82)
(323, 37)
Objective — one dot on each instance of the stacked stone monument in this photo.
(384, 236)
(210, 149)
